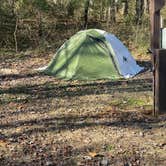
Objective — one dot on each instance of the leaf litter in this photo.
(45, 121)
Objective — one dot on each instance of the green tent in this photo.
(87, 55)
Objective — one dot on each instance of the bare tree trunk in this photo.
(40, 26)
(146, 6)
(139, 11)
(86, 11)
(105, 14)
(101, 10)
(15, 35)
(15, 14)
(125, 7)
(108, 16)
(112, 11)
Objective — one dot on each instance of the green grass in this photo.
(132, 102)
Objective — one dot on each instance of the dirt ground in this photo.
(50, 122)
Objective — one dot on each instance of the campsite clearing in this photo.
(45, 121)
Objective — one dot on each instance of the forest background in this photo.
(44, 25)
(48, 121)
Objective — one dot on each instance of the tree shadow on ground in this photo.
(110, 118)
(70, 89)
(10, 77)
(51, 90)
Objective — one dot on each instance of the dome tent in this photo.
(90, 55)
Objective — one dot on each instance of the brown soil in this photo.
(45, 121)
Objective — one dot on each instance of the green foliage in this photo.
(41, 21)
(71, 6)
(41, 5)
(110, 148)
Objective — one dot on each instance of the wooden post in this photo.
(155, 7)
(158, 64)
(160, 82)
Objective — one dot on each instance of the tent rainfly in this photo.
(91, 55)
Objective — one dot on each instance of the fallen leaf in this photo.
(3, 143)
(94, 154)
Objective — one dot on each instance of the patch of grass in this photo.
(110, 147)
(128, 103)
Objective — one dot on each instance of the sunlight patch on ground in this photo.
(6, 71)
